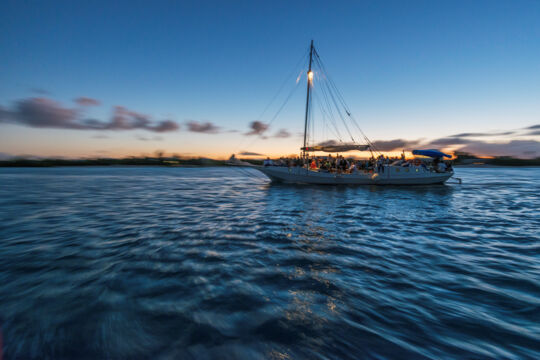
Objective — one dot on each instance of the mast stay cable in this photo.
(342, 100)
(285, 81)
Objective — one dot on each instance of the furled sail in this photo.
(335, 148)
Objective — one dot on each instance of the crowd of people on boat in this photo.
(340, 164)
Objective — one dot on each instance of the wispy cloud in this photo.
(257, 128)
(5, 156)
(282, 133)
(533, 133)
(144, 138)
(47, 113)
(447, 141)
(516, 148)
(396, 144)
(86, 101)
(40, 91)
(203, 127)
(249, 153)
(505, 133)
(474, 143)
(502, 147)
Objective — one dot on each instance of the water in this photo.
(204, 263)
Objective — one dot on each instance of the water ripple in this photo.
(204, 263)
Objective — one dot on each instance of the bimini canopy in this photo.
(431, 153)
(336, 148)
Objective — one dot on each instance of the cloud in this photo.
(533, 127)
(483, 134)
(47, 113)
(207, 127)
(144, 138)
(396, 144)
(42, 112)
(125, 119)
(282, 133)
(40, 91)
(249, 153)
(5, 156)
(516, 148)
(86, 101)
(534, 133)
(100, 136)
(447, 141)
(257, 128)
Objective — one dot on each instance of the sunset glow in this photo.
(133, 88)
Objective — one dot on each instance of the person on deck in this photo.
(313, 165)
(268, 162)
(380, 166)
(441, 167)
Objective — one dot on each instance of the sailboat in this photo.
(303, 172)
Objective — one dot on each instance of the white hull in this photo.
(392, 175)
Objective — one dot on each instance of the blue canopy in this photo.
(431, 153)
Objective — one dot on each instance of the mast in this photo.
(309, 79)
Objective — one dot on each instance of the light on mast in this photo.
(310, 75)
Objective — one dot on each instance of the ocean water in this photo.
(217, 263)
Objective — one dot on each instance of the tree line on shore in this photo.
(462, 159)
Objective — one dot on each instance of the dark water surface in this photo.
(205, 263)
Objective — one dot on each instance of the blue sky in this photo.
(408, 70)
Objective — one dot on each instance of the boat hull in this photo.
(393, 175)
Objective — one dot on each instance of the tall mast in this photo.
(309, 79)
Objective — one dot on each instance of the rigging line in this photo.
(284, 103)
(330, 112)
(331, 115)
(348, 111)
(258, 136)
(369, 142)
(245, 172)
(331, 81)
(343, 103)
(325, 116)
(333, 97)
(312, 120)
(327, 93)
(285, 81)
(283, 84)
(310, 125)
(340, 114)
(309, 120)
(342, 99)
(334, 86)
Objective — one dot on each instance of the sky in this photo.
(207, 78)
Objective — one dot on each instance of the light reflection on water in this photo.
(207, 262)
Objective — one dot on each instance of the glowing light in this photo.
(310, 75)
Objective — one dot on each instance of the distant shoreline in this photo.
(204, 162)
